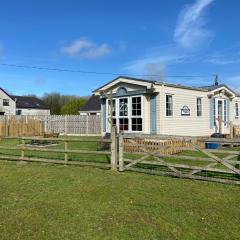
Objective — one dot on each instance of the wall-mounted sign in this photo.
(185, 111)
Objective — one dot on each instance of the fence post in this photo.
(121, 145)
(65, 149)
(114, 149)
(22, 150)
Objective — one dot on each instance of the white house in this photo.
(21, 105)
(151, 107)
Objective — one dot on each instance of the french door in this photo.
(221, 115)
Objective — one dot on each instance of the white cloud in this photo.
(85, 48)
(222, 61)
(159, 56)
(155, 71)
(190, 32)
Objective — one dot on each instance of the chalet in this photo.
(151, 107)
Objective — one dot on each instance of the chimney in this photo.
(216, 80)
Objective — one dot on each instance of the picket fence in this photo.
(17, 126)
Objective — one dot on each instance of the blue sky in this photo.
(163, 38)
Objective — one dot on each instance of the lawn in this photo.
(46, 201)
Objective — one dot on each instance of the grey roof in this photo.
(204, 88)
(29, 102)
(214, 87)
(93, 104)
(153, 82)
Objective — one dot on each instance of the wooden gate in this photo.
(191, 161)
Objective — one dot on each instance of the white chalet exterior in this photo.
(151, 107)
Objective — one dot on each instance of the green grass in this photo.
(39, 201)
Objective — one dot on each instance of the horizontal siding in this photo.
(233, 111)
(185, 125)
(146, 115)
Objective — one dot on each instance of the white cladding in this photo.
(31, 111)
(179, 124)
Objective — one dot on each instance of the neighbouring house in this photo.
(151, 107)
(21, 105)
(92, 106)
(30, 106)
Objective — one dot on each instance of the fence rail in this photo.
(23, 148)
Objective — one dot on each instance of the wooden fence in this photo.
(37, 145)
(163, 146)
(205, 165)
(161, 155)
(16, 126)
(21, 126)
(23, 148)
(73, 124)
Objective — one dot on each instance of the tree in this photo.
(56, 101)
(73, 107)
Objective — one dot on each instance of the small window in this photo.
(5, 102)
(199, 107)
(136, 106)
(18, 112)
(225, 113)
(237, 110)
(136, 124)
(123, 124)
(169, 105)
(123, 107)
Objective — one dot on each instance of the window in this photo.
(123, 124)
(136, 106)
(5, 102)
(236, 110)
(127, 113)
(123, 107)
(225, 113)
(18, 112)
(137, 114)
(169, 105)
(214, 112)
(136, 124)
(199, 107)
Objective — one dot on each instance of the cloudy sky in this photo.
(165, 40)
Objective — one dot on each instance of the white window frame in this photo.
(171, 95)
(236, 106)
(125, 117)
(129, 117)
(137, 116)
(201, 107)
(5, 100)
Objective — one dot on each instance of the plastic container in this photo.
(212, 145)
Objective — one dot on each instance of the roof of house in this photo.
(204, 88)
(93, 104)
(29, 102)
